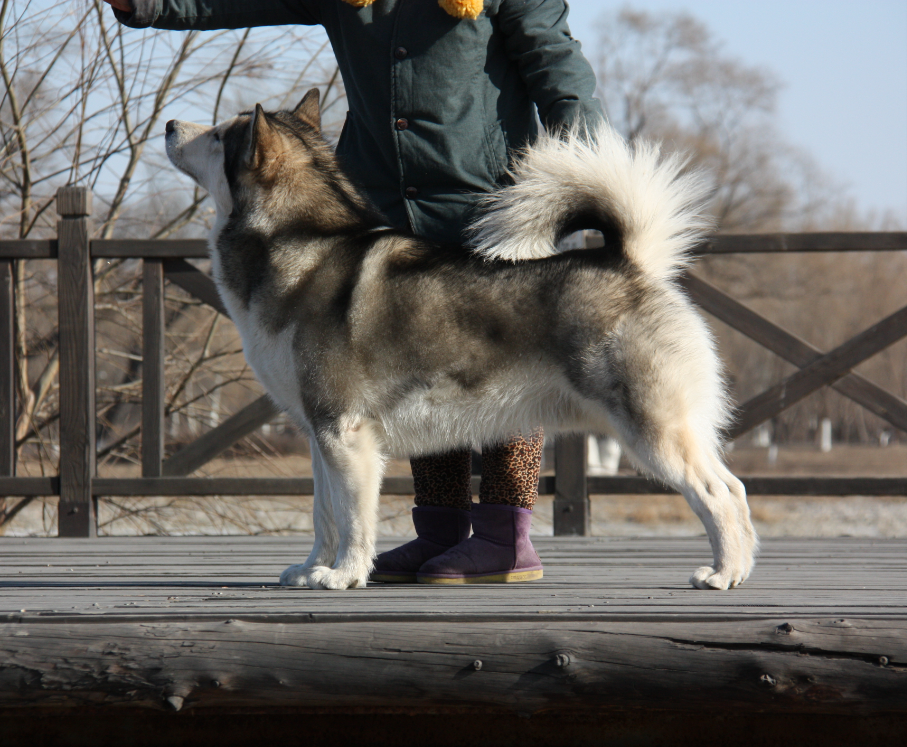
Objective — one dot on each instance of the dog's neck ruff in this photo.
(457, 8)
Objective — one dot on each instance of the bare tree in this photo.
(666, 77)
(83, 101)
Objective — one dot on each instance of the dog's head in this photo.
(237, 160)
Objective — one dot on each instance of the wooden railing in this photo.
(78, 486)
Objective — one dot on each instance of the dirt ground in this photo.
(612, 515)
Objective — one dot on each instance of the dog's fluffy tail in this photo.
(577, 179)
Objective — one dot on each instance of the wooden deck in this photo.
(155, 631)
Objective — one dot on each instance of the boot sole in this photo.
(507, 577)
(391, 578)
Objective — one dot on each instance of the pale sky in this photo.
(844, 66)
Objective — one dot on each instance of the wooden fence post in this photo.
(152, 367)
(78, 513)
(571, 496)
(7, 371)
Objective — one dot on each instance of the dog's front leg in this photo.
(354, 465)
(324, 551)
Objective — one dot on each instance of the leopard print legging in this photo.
(510, 475)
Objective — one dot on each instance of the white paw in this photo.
(322, 577)
(708, 578)
(295, 575)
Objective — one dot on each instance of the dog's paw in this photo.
(710, 579)
(295, 575)
(322, 577)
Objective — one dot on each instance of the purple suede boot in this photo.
(499, 550)
(437, 529)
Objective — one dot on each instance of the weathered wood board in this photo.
(198, 623)
(200, 576)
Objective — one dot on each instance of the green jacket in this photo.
(436, 105)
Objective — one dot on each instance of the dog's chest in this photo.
(269, 354)
(271, 357)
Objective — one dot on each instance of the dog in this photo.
(378, 342)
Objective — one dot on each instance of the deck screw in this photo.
(883, 660)
(563, 660)
(215, 683)
(768, 680)
(477, 664)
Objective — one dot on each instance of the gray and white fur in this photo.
(381, 343)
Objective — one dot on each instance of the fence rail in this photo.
(78, 485)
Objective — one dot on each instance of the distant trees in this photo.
(667, 78)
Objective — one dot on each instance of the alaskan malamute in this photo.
(379, 343)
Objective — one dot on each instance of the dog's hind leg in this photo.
(738, 499)
(685, 460)
(324, 550)
(354, 465)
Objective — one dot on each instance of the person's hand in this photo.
(124, 5)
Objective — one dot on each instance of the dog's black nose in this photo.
(170, 126)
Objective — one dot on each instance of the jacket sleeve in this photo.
(558, 76)
(183, 15)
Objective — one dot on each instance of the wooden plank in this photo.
(28, 249)
(777, 664)
(203, 486)
(721, 244)
(835, 241)
(219, 439)
(77, 514)
(29, 486)
(825, 370)
(186, 579)
(764, 485)
(793, 349)
(571, 497)
(878, 401)
(178, 485)
(158, 248)
(832, 487)
(194, 281)
(827, 486)
(7, 370)
(153, 383)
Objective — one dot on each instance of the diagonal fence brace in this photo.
(821, 372)
(791, 348)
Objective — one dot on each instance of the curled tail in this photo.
(578, 179)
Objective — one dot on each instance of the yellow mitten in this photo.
(457, 8)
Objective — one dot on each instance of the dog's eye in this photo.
(216, 137)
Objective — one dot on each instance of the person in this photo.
(441, 94)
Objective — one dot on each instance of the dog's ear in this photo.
(262, 138)
(308, 109)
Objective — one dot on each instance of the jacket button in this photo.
(411, 193)
(400, 53)
(402, 124)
